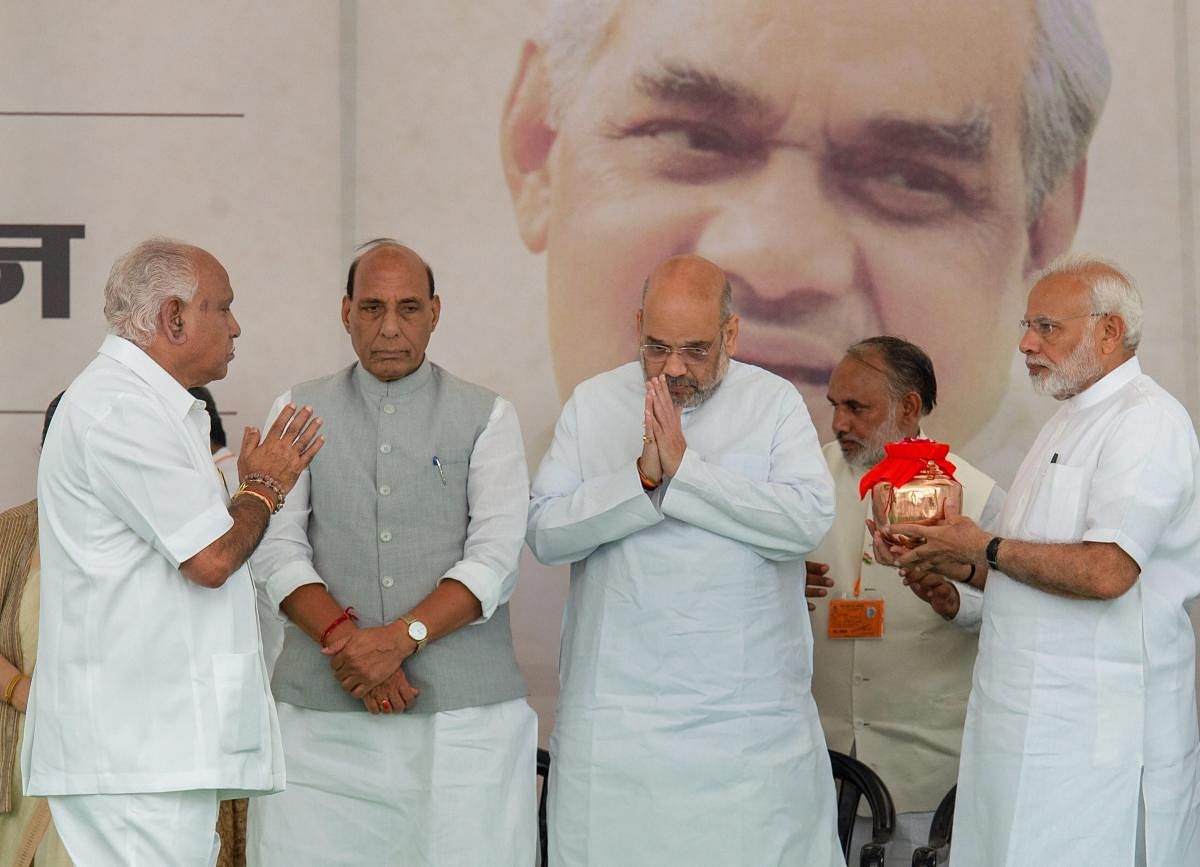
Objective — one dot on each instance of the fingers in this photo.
(281, 422)
(308, 436)
(372, 703)
(406, 692)
(811, 607)
(663, 406)
(335, 647)
(251, 437)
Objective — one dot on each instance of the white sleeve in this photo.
(570, 517)
(782, 518)
(283, 560)
(497, 501)
(144, 474)
(970, 607)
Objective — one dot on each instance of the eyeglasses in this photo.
(687, 354)
(1048, 329)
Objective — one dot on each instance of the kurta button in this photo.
(385, 536)
(384, 490)
(386, 448)
(389, 408)
(387, 581)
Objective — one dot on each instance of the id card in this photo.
(856, 618)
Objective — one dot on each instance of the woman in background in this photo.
(27, 836)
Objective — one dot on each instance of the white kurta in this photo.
(898, 702)
(145, 682)
(1078, 704)
(686, 732)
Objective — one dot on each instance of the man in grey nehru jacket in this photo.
(406, 732)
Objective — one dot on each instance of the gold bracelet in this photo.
(257, 496)
(267, 482)
(12, 687)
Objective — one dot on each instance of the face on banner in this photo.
(856, 168)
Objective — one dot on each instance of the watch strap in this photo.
(993, 548)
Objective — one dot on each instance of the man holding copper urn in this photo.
(1081, 745)
(897, 697)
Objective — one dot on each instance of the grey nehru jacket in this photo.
(386, 526)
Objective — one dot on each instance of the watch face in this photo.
(417, 631)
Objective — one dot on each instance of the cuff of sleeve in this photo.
(210, 525)
(481, 581)
(1122, 540)
(970, 606)
(288, 578)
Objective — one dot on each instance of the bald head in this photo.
(387, 250)
(694, 278)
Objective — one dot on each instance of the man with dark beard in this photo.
(685, 492)
(1080, 744)
(897, 697)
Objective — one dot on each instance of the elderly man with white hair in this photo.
(1081, 743)
(150, 700)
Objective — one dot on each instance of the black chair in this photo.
(939, 833)
(543, 771)
(855, 781)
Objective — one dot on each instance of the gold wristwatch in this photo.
(417, 631)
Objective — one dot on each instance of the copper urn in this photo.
(921, 500)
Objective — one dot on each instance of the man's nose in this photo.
(1030, 343)
(235, 329)
(781, 234)
(390, 326)
(674, 365)
(841, 420)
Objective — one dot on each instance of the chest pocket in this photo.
(1057, 512)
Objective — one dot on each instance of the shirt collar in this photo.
(130, 355)
(1107, 385)
(406, 385)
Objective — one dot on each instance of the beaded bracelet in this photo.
(348, 614)
(269, 482)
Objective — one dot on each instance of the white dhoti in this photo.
(450, 788)
(139, 830)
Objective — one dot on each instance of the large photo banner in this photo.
(856, 168)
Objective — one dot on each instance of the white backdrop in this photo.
(279, 140)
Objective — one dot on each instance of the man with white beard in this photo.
(896, 697)
(1081, 742)
(685, 491)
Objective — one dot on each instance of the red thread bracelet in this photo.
(348, 614)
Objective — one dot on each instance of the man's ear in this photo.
(1112, 333)
(1051, 233)
(731, 334)
(435, 304)
(909, 407)
(526, 137)
(346, 302)
(170, 322)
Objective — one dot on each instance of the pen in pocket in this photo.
(441, 473)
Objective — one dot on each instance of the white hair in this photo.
(1066, 84)
(144, 279)
(1110, 290)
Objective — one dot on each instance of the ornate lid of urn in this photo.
(911, 485)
